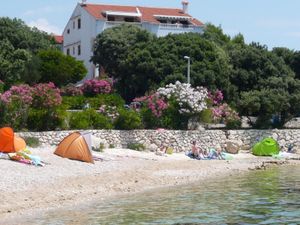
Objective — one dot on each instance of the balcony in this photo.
(177, 26)
(110, 24)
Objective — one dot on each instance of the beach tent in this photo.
(266, 147)
(76, 146)
(9, 142)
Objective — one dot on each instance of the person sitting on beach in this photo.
(195, 150)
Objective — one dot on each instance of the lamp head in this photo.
(186, 57)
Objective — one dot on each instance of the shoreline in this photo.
(28, 190)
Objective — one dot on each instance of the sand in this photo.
(28, 190)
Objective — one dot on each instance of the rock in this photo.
(97, 141)
(247, 121)
(233, 146)
(193, 124)
(152, 147)
(293, 123)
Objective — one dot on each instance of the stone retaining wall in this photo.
(178, 140)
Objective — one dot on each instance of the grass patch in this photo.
(32, 142)
(136, 146)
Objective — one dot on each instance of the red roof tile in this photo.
(147, 12)
(58, 39)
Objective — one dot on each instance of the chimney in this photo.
(185, 5)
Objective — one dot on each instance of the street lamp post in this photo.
(188, 69)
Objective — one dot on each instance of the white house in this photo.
(88, 20)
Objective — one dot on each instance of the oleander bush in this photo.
(94, 87)
(128, 120)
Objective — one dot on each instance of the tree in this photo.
(141, 63)
(59, 68)
(113, 45)
(18, 46)
(23, 37)
(12, 62)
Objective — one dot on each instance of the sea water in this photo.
(269, 196)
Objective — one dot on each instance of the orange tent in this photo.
(9, 142)
(76, 146)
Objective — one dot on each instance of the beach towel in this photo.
(26, 158)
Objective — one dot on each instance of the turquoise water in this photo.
(259, 197)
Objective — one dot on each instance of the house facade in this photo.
(88, 20)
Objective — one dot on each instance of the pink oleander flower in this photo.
(22, 92)
(46, 95)
(94, 87)
(216, 97)
(71, 90)
(156, 103)
(224, 113)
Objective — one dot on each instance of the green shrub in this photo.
(32, 142)
(206, 116)
(111, 146)
(47, 119)
(97, 120)
(1, 86)
(136, 146)
(128, 120)
(172, 119)
(89, 119)
(106, 99)
(149, 120)
(80, 120)
(233, 124)
(74, 102)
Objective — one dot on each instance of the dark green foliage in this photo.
(79, 120)
(32, 142)
(106, 99)
(136, 146)
(18, 46)
(233, 124)
(89, 119)
(59, 68)
(23, 37)
(46, 119)
(128, 120)
(78, 102)
(146, 63)
(74, 102)
(111, 146)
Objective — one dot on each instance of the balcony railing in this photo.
(110, 24)
(177, 26)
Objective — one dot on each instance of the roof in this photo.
(148, 13)
(58, 39)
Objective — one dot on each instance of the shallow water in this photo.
(259, 197)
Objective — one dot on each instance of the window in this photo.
(73, 50)
(68, 31)
(78, 49)
(111, 18)
(73, 24)
(129, 19)
(68, 51)
(79, 23)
